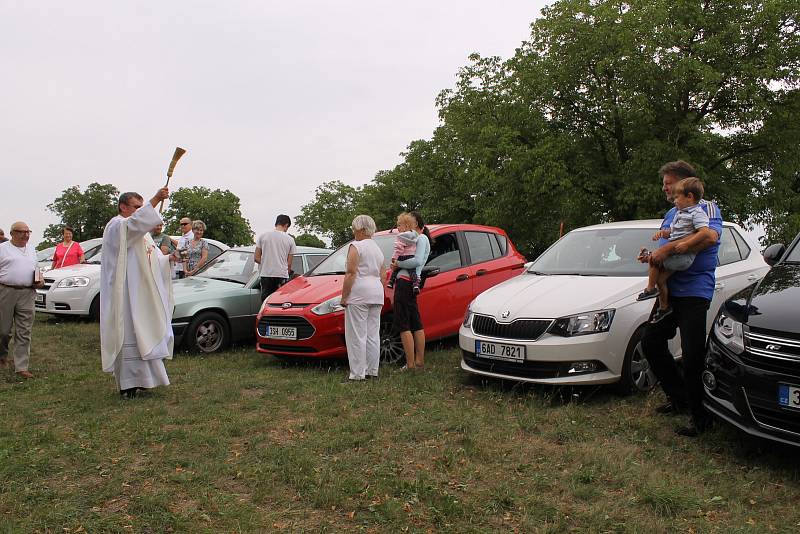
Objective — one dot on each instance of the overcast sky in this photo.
(269, 98)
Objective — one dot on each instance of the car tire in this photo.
(208, 332)
(94, 309)
(391, 347)
(636, 376)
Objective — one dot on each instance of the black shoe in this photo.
(660, 314)
(128, 393)
(670, 408)
(648, 294)
(690, 431)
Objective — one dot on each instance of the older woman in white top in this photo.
(362, 297)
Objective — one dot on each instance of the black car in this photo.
(752, 376)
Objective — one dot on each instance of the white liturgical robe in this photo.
(135, 302)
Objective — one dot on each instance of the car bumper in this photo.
(746, 396)
(548, 360)
(319, 336)
(63, 301)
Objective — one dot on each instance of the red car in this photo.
(304, 319)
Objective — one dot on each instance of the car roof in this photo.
(642, 224)
(300, 249)
(450, 226)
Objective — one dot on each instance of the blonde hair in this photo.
(365, 223)
(199, 224)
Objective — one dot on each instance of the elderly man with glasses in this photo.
(19, 277)
(187, 236)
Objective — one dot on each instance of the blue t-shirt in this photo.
(698, 280)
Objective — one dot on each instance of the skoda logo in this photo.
(286, 305)
(774, 348)
(505, 314)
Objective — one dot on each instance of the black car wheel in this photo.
(94, 309)
(636, 373)
(391, 346)
(208, 332)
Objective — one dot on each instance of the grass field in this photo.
(241, 443)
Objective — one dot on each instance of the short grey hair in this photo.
(199, 224)
(365, 223)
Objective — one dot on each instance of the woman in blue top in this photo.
(406, 312)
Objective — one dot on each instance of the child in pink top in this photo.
(405, 246)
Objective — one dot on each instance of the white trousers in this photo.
(362, 328)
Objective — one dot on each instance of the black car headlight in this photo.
(581, 324)
(729, 332)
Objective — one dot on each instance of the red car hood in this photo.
(308, 290)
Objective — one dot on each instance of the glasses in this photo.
(22, 231)
(185, 224)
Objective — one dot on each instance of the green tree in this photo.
(331, 212)
(309, 240)
(218, 209)
(87, 212)
(575, 125)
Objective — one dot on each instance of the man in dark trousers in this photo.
(274, 251)
(690, 294)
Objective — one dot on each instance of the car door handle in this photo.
(462, 277)
(753, 277)
(481, 272)
(718, 286)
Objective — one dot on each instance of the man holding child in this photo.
(690, 292)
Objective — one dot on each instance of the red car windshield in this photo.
(336, 262)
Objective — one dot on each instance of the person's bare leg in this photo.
(419, 346)
(652, 276)
(408, 346)
(663, 292)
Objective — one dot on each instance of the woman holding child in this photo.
(406, 287)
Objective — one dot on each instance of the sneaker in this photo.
(648, 294)
(670, 408)
(416, 290)
(390, 284)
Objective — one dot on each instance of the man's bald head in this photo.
(20, 234)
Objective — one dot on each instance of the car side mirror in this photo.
(429, 271)
(773, 253)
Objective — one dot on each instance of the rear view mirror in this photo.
(772, 254)
(429, 271)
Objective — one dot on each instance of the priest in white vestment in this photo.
(135, 298)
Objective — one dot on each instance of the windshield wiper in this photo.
(540, 273)
(224, 279)
(331, 272)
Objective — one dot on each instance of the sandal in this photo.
(648, 294)
(660, 315)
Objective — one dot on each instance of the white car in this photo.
(75, 290)
(573, 316)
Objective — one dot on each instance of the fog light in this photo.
(583, 367)
(709, 380)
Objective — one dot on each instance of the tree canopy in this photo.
(87, 212)
(575, 125)
(219, 210)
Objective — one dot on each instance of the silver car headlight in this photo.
(331, 305)
(729, 332)
(582, 324)
(74, 281)
(468, 317)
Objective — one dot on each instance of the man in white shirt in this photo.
(187, 236)
(18, 280)
(274, 252)
(135, 283)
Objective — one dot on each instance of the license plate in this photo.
(282, 332)
(39, 298)
(789, 396)
(500, 351)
